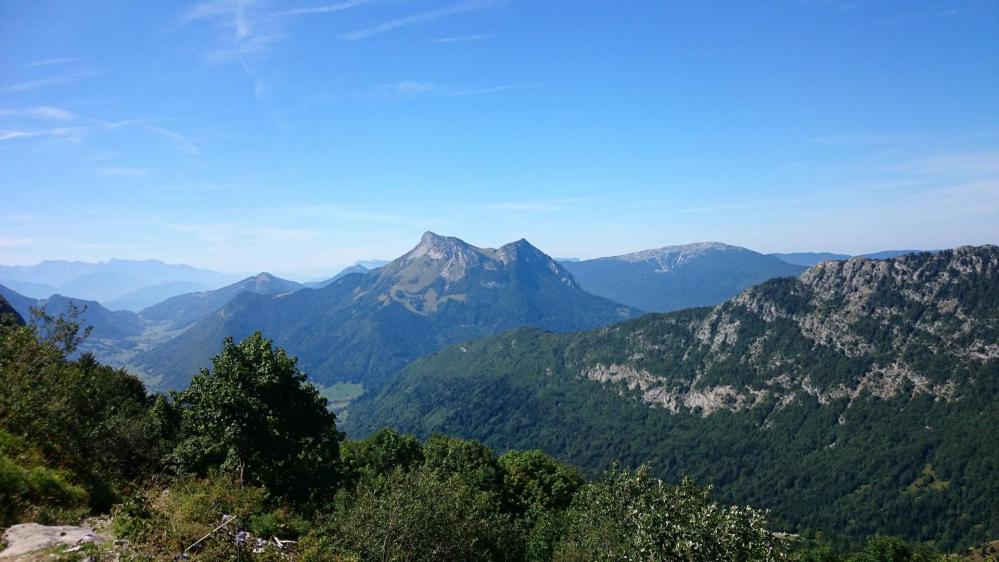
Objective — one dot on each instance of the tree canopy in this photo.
(256, 416)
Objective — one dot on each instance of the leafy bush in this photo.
(633, 516)
(380, 453)
(535, 481)
(87, 420)
(468, 459)
(417, 515)
(256, 416)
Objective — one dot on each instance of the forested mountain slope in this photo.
(676, 277)
(113, 330)
(364, 327)
(861, 397)
(183, 310)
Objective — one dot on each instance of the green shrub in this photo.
(633, 516)
(417, 515)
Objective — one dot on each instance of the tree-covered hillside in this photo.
(862, 397)
(247, 464)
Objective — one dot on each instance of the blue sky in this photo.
(299, 136)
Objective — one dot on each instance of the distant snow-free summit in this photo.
(676, 277)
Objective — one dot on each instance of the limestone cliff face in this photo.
(443, 269)
(885, 328)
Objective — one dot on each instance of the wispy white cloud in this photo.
(183, 144)
(15, 242)
(321, 9)
(40, 112)
(251, 32)
(421, 18)
(345, 212)
(225, 233)
(405, 89)
(72, 134)
(533, 206)
(51, 61)
(32, 85)
(461, 38)
(717, 208)
(972, 162)
(246, 34)
(930, 176)
(121, 172)
(864, 139)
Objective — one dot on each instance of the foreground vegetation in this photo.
(252, 444)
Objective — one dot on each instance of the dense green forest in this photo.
(861, 398)
(253, 440)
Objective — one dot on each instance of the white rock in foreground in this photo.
(29, 537)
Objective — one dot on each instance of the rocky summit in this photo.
(364, 327)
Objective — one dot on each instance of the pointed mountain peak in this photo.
(263, 283)
(519, 248)
(522, 243)
(430, 237)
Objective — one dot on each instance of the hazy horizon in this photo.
(322, 274)
(299, 137)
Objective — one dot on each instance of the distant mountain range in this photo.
(359, 325)
(121, 284)
(147, 296)
(808, 259)
(677, 277)
(114, 332)
(183, 310)
(860, 397)
(363, 327)
(119, 335)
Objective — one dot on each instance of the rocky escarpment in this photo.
(844, 329)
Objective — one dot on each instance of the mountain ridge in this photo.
(679, 276)
(181, 311)
(840, 390)
(365, 326)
